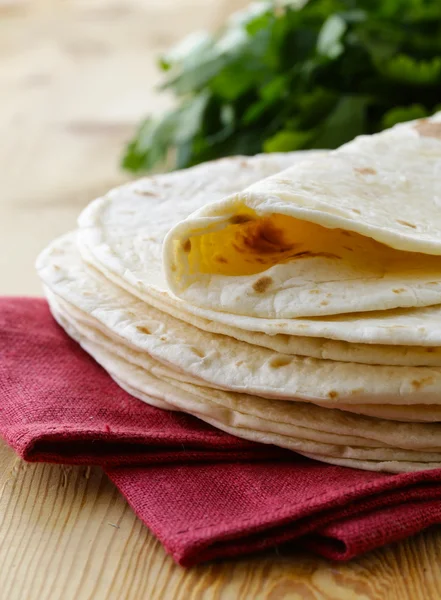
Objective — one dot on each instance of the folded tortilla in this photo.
(353, 230)
(121, 235)
(222, 362)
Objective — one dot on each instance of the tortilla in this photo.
(222, 362)
(121, 236)
(330, 435)
(353, 230)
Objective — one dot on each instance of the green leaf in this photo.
(400, 114)
(405, 69)
(190, 117)
(287, 141)
(287, 74)
(329, 41)
(191, 47)
(345, 122)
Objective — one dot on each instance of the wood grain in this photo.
(75, 78)
(67, 534)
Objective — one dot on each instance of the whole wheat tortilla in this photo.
(121, 235)
(353, 230)
(223, 362)
(272, 422)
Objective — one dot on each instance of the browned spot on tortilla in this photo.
(356, 211)
(197, 352)
(163, 338)
(237, 219)
(261, 261)
(332, 394)
(143, 329)
(430, 349)
(56, 267)
(399, 290)
(264, 238)
(239, 363)
(406, 223)
(146, 193)
(419, 383)
(280, 361)
(357, 391)
(309, 254)
(324, 303)
(173, 268)
(429, 129)
(261, 285)
(186, 246)
(348, 248)
(433, 283)
(347, 233)
(221, 259)
(365, 170)
(314, 291)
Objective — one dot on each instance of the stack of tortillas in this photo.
(292, 299)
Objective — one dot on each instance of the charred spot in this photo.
(261, 285)
(406, 224)
(430, 129)
(280, 361)
(221, 259)
(419, 383)
(332, 394)
(143, 329)
(238, 219)
(348, 248)
(186, 246)
(365, 170)
(265, 238)
(430, 349)
(146, 193)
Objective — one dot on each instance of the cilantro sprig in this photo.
(296, 75)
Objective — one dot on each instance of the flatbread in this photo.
(353, 230)
(121, 236)
(222, 362)
(310, 430)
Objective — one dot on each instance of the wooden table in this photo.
(75, 77)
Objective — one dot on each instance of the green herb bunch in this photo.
(286, 77)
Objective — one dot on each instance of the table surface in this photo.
(75, 78)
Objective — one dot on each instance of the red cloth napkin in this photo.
(204, 493)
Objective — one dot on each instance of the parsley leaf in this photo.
(294, 74)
